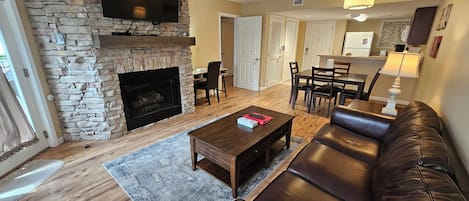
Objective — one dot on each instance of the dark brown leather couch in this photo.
(364, 156)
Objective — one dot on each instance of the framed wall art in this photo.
(444, 17)
(435, 46)
(391, 32)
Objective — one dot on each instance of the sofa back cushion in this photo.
(419, 146)
(418, 183)
(414, 115)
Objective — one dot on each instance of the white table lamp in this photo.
(399, 64)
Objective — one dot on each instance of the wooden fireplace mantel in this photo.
(112, 41)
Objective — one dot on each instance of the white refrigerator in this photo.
(357, 44)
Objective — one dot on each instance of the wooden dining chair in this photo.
(323, 87)
(352, 94)
(342, 67)
(211, 82)
(296, 84)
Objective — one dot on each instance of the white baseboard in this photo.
(263, 88)
(60, 141)
(382, 99)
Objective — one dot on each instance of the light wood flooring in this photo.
(84, 177)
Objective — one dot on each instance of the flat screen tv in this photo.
(156, 11)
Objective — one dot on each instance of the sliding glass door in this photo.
(21, 127)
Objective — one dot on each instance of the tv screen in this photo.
(152, 10)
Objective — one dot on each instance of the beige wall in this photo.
(204, 26)
(444, 81)
(300, 48)
(340, 29)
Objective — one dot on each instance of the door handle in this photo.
(257, 59)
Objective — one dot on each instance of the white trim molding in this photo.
(25, 49)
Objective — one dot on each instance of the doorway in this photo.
(227, 44)
(318, 41)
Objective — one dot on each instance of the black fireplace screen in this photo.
(150, 96)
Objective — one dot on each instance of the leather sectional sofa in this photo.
(365, 156)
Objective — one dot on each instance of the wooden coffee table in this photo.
(233, 147)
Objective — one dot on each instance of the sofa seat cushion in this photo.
(336, 173)
(290, 187)
(418, 183)
(358, 146)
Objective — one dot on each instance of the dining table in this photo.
(356, 79)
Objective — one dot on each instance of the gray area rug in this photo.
(162, 171)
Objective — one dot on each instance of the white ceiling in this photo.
(379, 11)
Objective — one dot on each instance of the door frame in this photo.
(35, 96)
(229, 15)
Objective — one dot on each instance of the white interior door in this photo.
(291, 40)
(275, 50)
(318, 40)
(14, 66)
(248, 34)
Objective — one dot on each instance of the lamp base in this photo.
(389, 109)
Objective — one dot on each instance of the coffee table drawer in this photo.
(255, 151)
(280, 132)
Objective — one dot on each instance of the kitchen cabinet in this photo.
(421, 25)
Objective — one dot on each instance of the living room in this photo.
(83, 177)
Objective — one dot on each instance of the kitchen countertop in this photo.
(375, 58)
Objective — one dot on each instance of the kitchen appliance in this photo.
(357, 44)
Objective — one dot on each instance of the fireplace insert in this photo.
(150, 96)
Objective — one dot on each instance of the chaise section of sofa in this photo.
(365, 156)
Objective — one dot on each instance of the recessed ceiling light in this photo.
(358, 17)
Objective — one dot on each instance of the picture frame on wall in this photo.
(436, 46)
(391, 32)
(444, 17)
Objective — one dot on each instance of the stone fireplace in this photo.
(84, 77)
(150, 96)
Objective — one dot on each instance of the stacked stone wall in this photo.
(84, 78)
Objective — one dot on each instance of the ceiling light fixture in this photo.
(358, 4)
(358, 17)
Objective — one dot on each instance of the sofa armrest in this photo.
(365, 123)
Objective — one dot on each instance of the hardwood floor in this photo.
(84, 177)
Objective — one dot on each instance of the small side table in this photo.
(367, 106)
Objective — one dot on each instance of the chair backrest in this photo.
(323, 76)
(372, 84)
(212, 74)
(342, 67)
(294, 69)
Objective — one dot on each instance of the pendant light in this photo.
(358, 4)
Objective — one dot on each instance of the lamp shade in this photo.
(402, 65)
(358, 4)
